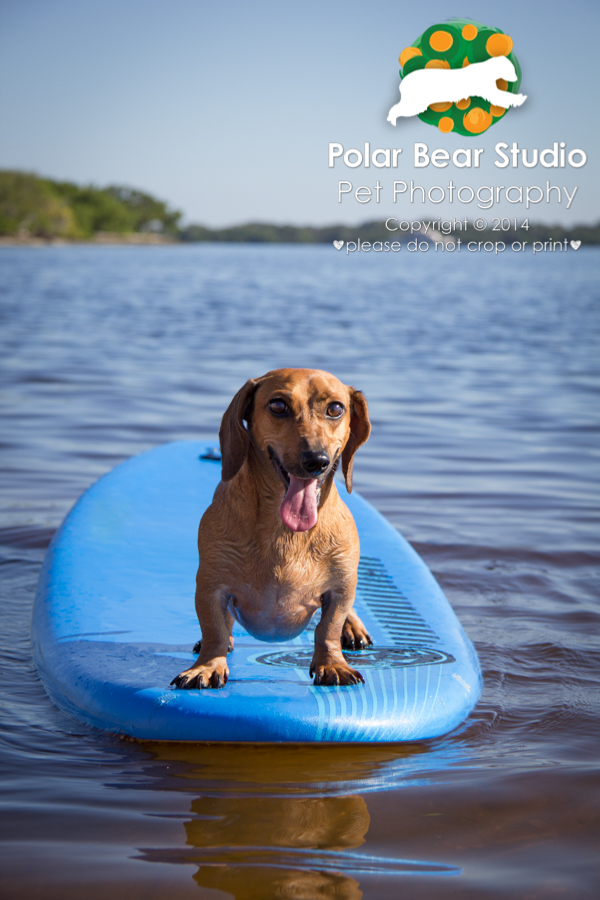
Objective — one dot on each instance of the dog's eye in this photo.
(278, 407)
(335, 410)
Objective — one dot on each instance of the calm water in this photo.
(482, 379)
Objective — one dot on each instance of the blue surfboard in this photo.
(114, 622)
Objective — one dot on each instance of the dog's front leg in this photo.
(328, 664)
(210, 669)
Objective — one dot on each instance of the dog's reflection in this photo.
(276, 884)
(256, 847)
(261, 828)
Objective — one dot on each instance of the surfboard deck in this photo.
(114, 622)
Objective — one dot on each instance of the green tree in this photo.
(29, 206)
(95, 209)
(147, 213)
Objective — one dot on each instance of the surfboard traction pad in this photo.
(114, 622)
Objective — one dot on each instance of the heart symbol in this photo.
(339, 244)
(575, 245)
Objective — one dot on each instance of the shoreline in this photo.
(368, 232)
(132, 238)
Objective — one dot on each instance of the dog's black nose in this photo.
(314, 462)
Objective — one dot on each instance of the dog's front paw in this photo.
(335, 673)
(212, 675)
(355, 636)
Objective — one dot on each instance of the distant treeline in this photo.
(42, 208)
(263, 233)
(39, 207)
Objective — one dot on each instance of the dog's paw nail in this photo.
(197, 646)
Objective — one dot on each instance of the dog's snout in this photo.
(315, 462)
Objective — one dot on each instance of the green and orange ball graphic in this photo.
(453, 45)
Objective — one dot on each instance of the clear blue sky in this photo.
(225, 109)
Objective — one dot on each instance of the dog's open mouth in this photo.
(300, 507)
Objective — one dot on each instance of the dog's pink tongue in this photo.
(299, 508)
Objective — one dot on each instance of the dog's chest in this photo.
(275, 609)
(292, 583)
(283, 585)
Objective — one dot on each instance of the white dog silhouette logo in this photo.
(425, 87)
(460, 76)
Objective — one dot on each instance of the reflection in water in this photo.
(245, 831)
(325, 822)
(312, 768)
(283, 823)
(272, 884)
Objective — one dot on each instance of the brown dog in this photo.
(277, 542)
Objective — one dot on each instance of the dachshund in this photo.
(277, 542)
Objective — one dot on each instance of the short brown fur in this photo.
(252, 566)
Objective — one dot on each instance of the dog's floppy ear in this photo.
(233, 436)
(360, 429)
